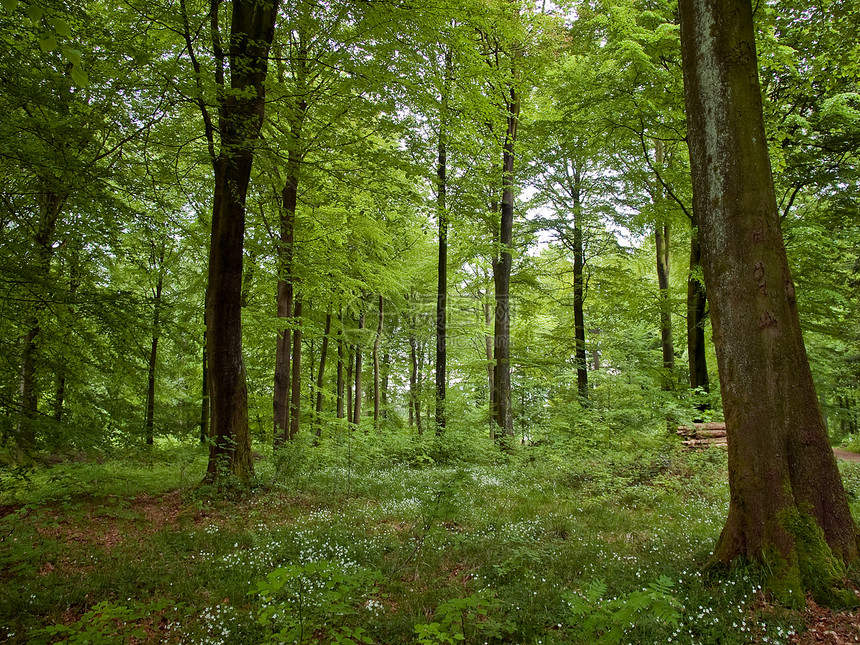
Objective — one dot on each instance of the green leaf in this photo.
(48, 42)
(9, 5)
(72, 55)
(61, 27)
(35, 12)
(80, 77)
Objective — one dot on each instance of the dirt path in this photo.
(846, 455)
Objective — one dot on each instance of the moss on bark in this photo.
(810, 566)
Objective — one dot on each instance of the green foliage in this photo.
(476, 618)
(610, 620)
(317, 602)
(105, 624)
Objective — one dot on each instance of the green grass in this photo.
(495, 553)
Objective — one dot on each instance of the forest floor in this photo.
(604, 548)
(846, 454)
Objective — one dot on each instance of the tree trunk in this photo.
(50, 208)
(489, 310)
(241, 113)
(149, 423)
(386, 369)
(349, 382)
(356, 408)
(662, 238)
(502, 265)
(296, 380)
(376, 372)
(442, 273)
(696, 302)
(413, 371)
(419, 389)
(321, 375)
(340, 359)
(787, 505)
(74, 283)
(284, 344)
(579, 289)
(204, 405)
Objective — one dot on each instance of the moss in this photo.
(810, 566)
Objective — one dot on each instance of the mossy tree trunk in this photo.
(787, 505)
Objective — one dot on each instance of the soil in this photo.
(846, 455)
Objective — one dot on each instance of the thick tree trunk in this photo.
(240, 119)
(502, 265)
(376, 371)
(696, 302)
(296, 380)
(787, 504)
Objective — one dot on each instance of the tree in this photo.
(241, 108)
(787, 506)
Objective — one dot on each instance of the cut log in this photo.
(701, 435)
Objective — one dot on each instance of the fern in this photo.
(607, 621)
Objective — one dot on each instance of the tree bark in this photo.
(50, 208)
(241, 113)
(502, 265)
(356, 408)
(413, 372)
(696, 303)
(149, 423)
(787, 505)
(321, 375)
(442, 266)
(489, 310)
(340, 359)
(386, 369)
(205, 404)
(296, 380)
(376, 372)
(419, 389)
(349, 381)
(662, 238)
(282, 394)
(74, 283)
(579, 288)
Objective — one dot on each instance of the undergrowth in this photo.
(593, 543)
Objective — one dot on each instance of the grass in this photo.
(130, 551)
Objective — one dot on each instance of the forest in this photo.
(376, 322)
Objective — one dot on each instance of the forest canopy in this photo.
(542, 148)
